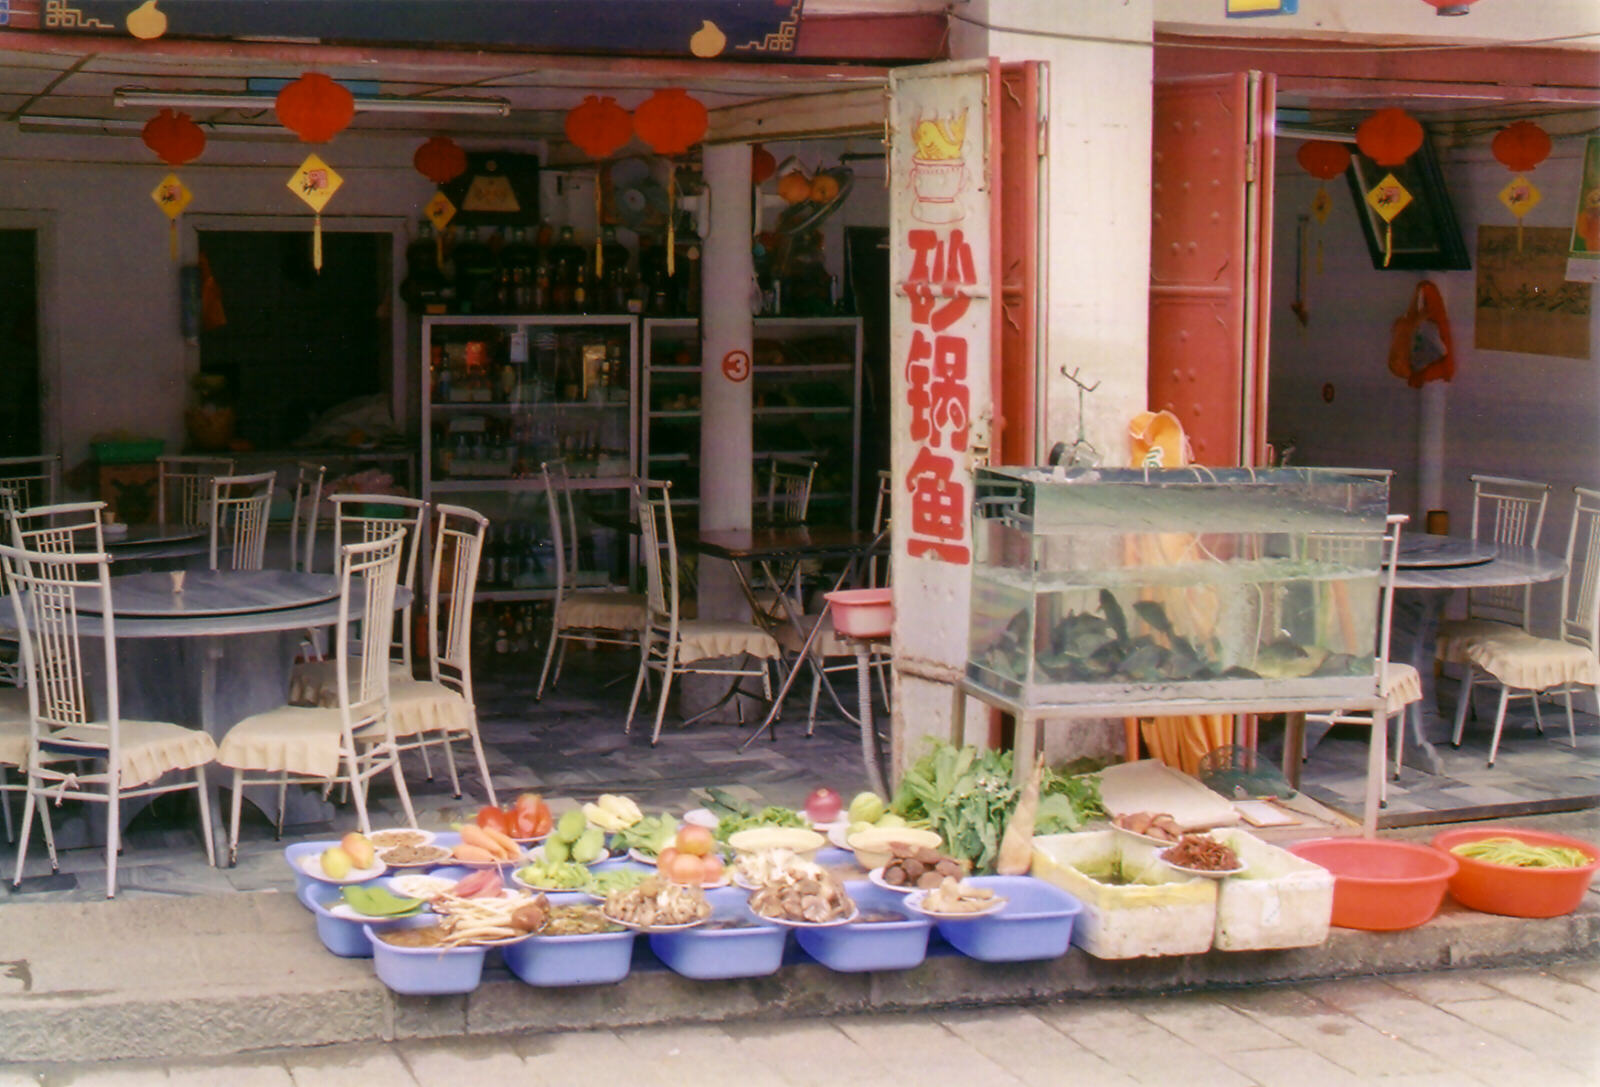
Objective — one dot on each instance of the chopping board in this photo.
(1153, 786)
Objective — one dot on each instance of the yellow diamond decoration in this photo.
(1520, 196)
(315, 182)
(171, 196)
(440, 210)
(1321, 204)
(1389, 198)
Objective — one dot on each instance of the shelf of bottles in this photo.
(806, 395)
(502, 394)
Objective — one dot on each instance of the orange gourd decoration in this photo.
(440, 160)
(670, 122)
(1520, 146)
(315, 108)
(1389, 136)
(174, 137)
(599, 127)
(1323, 159)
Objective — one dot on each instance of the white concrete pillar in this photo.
(725, 380)
(1430, 453)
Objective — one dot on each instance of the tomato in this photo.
(543, 821)
(665, 858)
(492, 818)
(695, 839)
(711, 868)
(529, 802)
(523, 824)
(688, 869)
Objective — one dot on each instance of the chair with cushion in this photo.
(1527, 666)
(240, 506)
(315, 744)
(580, 615)
(307, 501)
(74, 752)
(675, 646)
(1504, 511)
(439, 710)
(183, 488)
(1396, 683)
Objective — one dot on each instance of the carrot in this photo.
(475, 835)
(474, 853)
(503, 843)
(1016, 847)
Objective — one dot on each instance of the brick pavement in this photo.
(1498, 1028)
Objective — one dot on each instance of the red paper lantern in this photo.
(174, 137)
(1521, 146)
(1389, 136)
(440, 160)
(1323, 159)
(315, 108)
(762, 164)
(670, 121)
(599, 127)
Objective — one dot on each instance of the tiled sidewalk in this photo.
(1500, 1028)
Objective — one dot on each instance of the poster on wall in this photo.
(1583, 254)
(1524, 300)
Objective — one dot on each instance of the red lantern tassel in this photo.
(1388, 242)
(172, 238)
(316, 243)
(672, 241)
(599, 261)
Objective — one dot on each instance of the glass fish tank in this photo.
(1096, 585)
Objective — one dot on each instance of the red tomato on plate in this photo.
(492, 818)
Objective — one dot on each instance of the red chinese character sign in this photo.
(940, 345)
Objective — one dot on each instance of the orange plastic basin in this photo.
(861, 613)
(1379, 885)
(1512, 891)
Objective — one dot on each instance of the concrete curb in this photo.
(211, 977)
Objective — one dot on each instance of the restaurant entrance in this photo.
(19, 344)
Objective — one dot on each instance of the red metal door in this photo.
(1208, 238)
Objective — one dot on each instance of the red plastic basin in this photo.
(861, 613)
(1512, 891)
(1379, 885)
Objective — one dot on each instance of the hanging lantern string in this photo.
(672, 215)
(599, 208)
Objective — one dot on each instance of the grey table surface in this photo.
(213, 593)
(1509, 566)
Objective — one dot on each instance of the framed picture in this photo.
(499, 188)
(1426, 236)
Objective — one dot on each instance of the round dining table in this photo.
(152, 547)
(1428, 571)
(211, 653)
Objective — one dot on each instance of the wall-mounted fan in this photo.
(634, 197)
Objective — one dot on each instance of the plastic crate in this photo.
(878, 945)
(710, 954)
(424, 971)
(1279, 900)
(1035, 923)
(551, 961)
(133, 451)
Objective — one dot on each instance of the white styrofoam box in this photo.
(1279, 900)
(1160, 912)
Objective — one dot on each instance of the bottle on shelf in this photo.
(477, 273)
(423, 289)
(614, 279)
(517, 267)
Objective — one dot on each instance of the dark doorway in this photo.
(19, 345)
(293, 342)
(867, 290)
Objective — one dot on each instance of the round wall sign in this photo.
(736, 365)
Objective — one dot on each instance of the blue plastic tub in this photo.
(877, 945)
(424, 971)
(1035, 923)
(340, 936)
(709, 954)
(292, 855)
(549, 961)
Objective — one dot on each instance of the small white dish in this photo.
(836, 835)
(786, 923)
(437, 856)
(346, 912)
(654, 928)
(877, 880)
(701, 817)
(516, 877)
(1204, 873)
(642, 858)
(311, 865)
(726, 880)
(537, 854)
(914, 903)
(416, 885)
(1148, 839)
(400, 836)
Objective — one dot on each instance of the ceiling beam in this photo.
(842, 113)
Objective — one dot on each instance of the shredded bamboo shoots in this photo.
(1516, 853)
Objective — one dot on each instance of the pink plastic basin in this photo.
(1379, 885)
(861, 613)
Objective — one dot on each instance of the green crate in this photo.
(128, 452)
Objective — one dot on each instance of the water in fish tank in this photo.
(1111, 585)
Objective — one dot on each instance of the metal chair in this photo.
(30, 481)
(239, 507)
(1527, 666)
(183, 488)
(789, 482)
(314, 744)
(440, 710)
(307, 501)
(64, 733)
(675, 646)
(580, 615)
(1397, 685)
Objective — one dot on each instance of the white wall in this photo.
(1507, 413)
